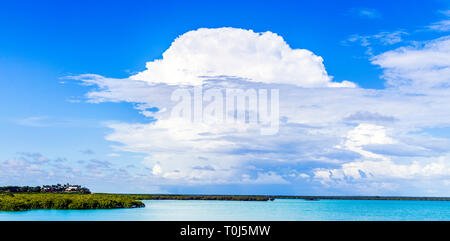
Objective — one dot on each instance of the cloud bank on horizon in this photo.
(332, 135)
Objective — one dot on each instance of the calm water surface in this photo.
(281, 209)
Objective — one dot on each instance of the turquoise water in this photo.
(282, 209)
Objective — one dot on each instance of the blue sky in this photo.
(51, 128)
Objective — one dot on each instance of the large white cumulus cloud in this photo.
(375, 140)
(228, 51)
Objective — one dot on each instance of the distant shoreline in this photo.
(67, 201)
(273, 197)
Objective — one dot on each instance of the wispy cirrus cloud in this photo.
(369, 13)
(48, 121)
(381, 38)
(443, 25)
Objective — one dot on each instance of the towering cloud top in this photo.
(257, 57)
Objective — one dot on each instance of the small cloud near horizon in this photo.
(87, 152)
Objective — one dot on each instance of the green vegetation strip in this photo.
(20, 201)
